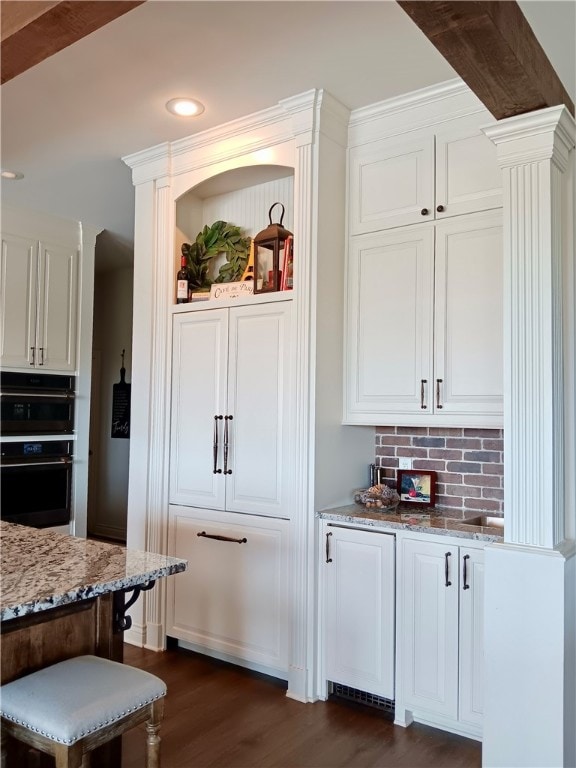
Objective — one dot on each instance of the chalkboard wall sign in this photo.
(121, 405)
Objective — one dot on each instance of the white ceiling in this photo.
(67, 122)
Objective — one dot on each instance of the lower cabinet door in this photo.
(233, 597)
(429, 628)
(358, 624)
(471, 636)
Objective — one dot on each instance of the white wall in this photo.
(108, 496)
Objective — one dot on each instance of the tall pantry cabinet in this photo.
(231, 453)
(272, 362)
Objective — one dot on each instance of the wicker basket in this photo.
(381, 498)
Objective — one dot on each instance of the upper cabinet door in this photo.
(259, 396)
(199, 376)
(391, 183)
(390, 325)
(57, 308)
(18, 292)
(468, 339)
(426, 175)
(468, 177)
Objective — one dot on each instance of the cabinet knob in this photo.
(424, 211)
(440, 208)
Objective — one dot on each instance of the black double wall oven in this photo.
(36, 448)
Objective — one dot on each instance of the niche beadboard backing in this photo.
(468, 463)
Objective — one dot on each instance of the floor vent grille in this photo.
(361, 697)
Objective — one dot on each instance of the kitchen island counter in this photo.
(41, 570)
(62, 596)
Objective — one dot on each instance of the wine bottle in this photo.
(182, 282)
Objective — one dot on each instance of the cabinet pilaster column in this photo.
(534, 151)
(149, 443)
(302, 555)
(530, 579)
(159, 403)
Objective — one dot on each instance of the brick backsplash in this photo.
(468, 463)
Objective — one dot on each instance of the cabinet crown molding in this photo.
(543, 135)
(292, 118)
(42, 226)
(419, 109)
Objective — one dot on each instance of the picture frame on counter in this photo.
(417, 487)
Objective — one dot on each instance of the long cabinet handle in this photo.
(41, 350)
(328, 558)
(216, 471)
(423, 383)
(447, 581)
(226, 420)
(465, 573)
(32, 355)
(204, 535)
(438, 382)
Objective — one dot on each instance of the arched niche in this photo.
(240, 196)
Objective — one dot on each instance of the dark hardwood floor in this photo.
(222, 716)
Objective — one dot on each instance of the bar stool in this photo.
(74, 706)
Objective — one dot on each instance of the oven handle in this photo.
(56, 463)
(44, 395)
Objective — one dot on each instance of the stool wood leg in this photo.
(152, 734)
(68, 757)
(3, 740)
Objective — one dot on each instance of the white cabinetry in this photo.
(231, 452)
(440, 634)
(39, 304)
(423, 175)
(434, 292)
(231, 437)
(232, 599)
(358, 608)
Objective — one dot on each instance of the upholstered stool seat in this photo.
(71, 707)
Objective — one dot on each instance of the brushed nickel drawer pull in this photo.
(447, 581)
(328, 558)
(423, 382)
(214, 536)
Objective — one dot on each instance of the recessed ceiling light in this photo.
(11, 175)
(184, 107)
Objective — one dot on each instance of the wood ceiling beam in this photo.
(33, 31)
(494, 50)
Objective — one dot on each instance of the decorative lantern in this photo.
(269, 254)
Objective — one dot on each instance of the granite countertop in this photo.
(42, 569)
(406, 518)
